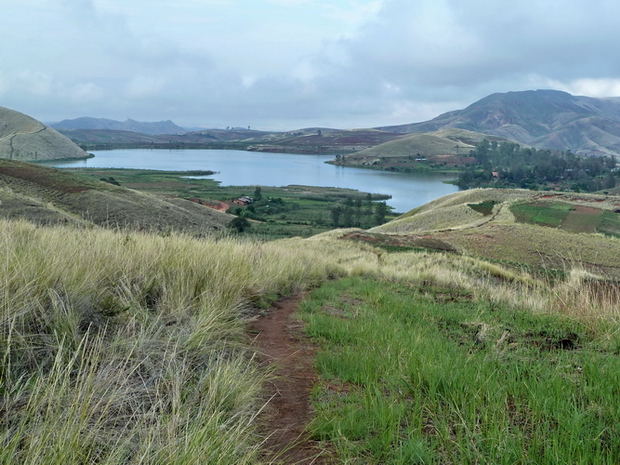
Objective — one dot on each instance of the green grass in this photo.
(579, 221)
(549, 214)
(609, 224)
(563, 215)
(486, 207)
(304, 210)
(424, 375)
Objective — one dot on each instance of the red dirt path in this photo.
(281, 344)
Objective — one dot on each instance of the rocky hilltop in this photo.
(24, 138)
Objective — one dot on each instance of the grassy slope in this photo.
(125, 347)
(524, 227)
(47, 195)
(24, 138)
(421, 374)
(427, 145)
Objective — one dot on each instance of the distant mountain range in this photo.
(160, 127)
(545, 119)
(541, 118)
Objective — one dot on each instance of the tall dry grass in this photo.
(127, 348)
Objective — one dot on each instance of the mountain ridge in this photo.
(548, 119)
(150, 128)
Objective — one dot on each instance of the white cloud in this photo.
(85, 93)
(297, 62)
(145, 86)
(600, 88)
(38, 83)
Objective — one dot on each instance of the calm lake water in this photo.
(240, 168)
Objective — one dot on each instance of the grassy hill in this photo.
(555, 230)
(130, 347)
(49, 196)
(443, 148)
(24, 138)
(545, 119)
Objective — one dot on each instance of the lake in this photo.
(241, 168)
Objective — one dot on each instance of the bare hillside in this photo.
(51, 196)
(550, 229)
(24, 138)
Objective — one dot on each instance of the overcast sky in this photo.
(287, 64)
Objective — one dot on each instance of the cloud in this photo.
(591, 87)
(86, 92)
(145, 86)
(423, 54)
(278, 64)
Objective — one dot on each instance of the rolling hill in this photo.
(46, 195)
(24, 138)
(551, 229)
(542, 119)
(444, 145)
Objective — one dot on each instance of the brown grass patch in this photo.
(42, 177)
(582, 219)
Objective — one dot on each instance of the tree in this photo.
(380, 213)
(358, 211)
(347, 213)
(239, 224)
(368, 209)
(258, 195)
(336, 212)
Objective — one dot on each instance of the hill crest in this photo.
(540, 118)
(25, 138)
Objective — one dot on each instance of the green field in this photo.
(571, 218)
(429, 375)
(549, 214)
(282, 212)
(610, 223)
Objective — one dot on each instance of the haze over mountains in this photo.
(160, 127)
(545, 119)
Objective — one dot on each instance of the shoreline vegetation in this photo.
(261, 211)
(485, 163)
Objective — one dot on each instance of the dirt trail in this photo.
(279, 338)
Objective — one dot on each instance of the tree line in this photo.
(509, 164)
(358, 213)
